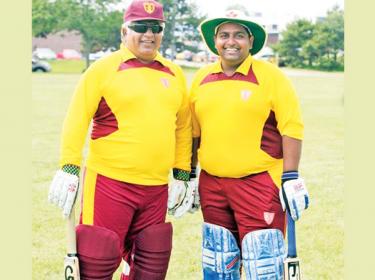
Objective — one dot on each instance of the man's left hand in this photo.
(294, 197)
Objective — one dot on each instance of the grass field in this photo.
(67, 66)
(320, 232)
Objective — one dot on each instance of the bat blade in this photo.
(292, 269)
(71, 264)
(71, 268)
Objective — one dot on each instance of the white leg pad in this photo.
(263, 254)
(221, 255)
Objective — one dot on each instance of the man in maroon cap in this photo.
(137, 101)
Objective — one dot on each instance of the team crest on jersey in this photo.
(245, 94)
(268, 217)
(165, 82)
(149, 7)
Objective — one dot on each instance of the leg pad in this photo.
(152, 251)
(221, 255)
(98, 251)
(263, 254)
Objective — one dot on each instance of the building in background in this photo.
(59, 41)
(271, 28)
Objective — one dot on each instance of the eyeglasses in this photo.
(142, 28)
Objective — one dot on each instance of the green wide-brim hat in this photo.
(208, 27)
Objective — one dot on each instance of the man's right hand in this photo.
(63, 191)
(293, 194)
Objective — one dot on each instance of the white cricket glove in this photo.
(294, 197)
(63, 191)
(180, 197)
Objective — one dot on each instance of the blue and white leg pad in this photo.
(263, 254)
(221, 255)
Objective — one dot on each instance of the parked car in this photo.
(100, 54)
(270, 58)
(44, 53)
(39, 65)
(212, 58)
(69, 54)
(267, 54)
(185, 55)
(201, 56)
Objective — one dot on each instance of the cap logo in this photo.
(232, 14)
(149, 7)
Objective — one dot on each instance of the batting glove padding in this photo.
(63, 191)
(196, 202)
(294, 197)
(180, 197)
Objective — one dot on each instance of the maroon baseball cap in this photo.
(144, 10)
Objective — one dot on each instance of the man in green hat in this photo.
(247, 137)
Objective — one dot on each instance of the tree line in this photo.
(99, 22)
(317, 45)
(303, 44)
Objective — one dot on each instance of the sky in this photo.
(274, 11)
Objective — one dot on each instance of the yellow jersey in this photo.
(141, 120)
(241, 119)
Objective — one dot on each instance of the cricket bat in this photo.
(71, 265)
(291, 264)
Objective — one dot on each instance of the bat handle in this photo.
(292, 248)
(71, 234)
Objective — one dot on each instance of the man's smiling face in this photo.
(233, 43)
(143, 45)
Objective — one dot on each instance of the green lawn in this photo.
(67, 66)
(320, 232)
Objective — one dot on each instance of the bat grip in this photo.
(292, 248)
(71, 235)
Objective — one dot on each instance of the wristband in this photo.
(180, 174)
(289, 175)
(71, 169)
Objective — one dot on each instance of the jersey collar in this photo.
(243, 68)
(126, 55)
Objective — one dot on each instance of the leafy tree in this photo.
(44, 20)
(319, 45)
(95, 20)
(293, 40)
(182, 20)
(99, 27)
(328, 41)
(99, 24)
